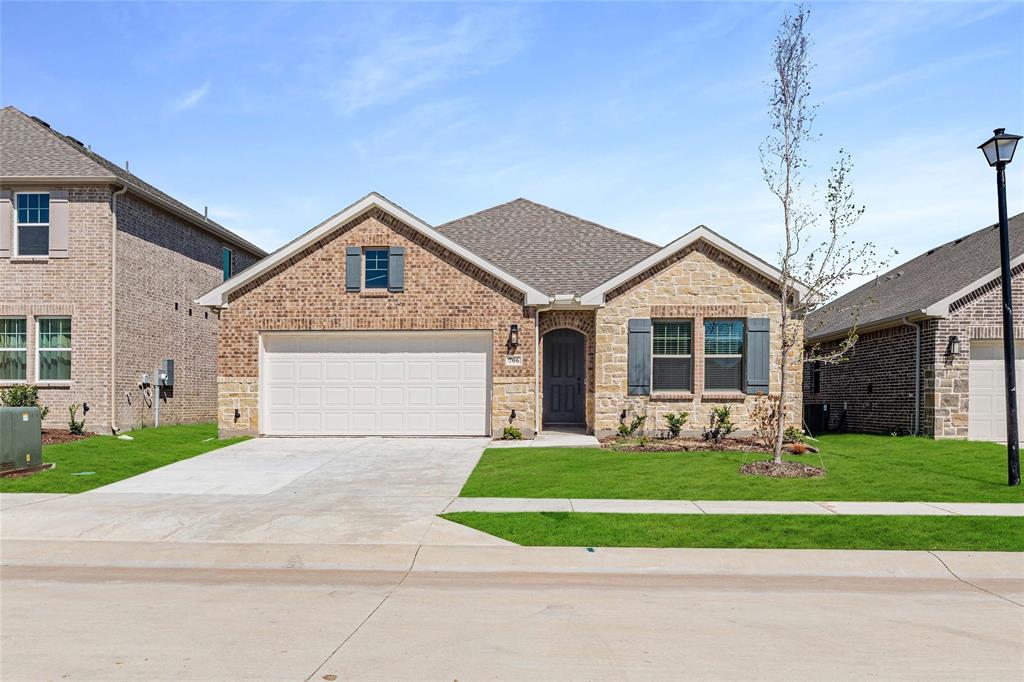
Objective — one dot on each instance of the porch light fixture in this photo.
(954, 345)
(512, 417)
(513, 337)
(999, 152)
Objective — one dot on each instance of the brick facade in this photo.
(443, 291)
(872, 391)
(161, 260)
(695, 283)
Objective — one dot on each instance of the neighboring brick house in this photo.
(928, 357)
(98, 271)
(374, 322)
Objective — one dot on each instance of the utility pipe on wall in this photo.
(917, 376)
(113, 309)
(536, 372)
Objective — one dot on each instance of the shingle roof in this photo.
(553, 251)
(29, 147)
(919, 283)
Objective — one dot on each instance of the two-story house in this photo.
(98, 273)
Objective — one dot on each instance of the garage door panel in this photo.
(987, 401)
(420, 384)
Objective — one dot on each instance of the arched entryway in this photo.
(564, 378)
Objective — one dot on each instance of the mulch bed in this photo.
(698, 444)
(22, 473)
(58, 436)
(783, 470)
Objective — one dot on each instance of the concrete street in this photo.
(294, 559)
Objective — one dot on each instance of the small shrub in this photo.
(793, 435)
(676, 421)
(764, 413)
(75, 426)
(642, 441)
(628, 430)
(511, 433)
(720, 424)
(23, 395)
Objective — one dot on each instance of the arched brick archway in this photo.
(581, 321)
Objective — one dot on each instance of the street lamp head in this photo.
(1000, 147)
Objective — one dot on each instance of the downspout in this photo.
(917, 375)
(114, 428)
(536, 371)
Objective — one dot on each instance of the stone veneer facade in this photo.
(698, 282)
(443, 291)
(163, 263)
(873, 390)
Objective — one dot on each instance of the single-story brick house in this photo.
(98, 273)
(374, 322)
(929, 355)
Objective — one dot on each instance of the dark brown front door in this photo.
(563, 377)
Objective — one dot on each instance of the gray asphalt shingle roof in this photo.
(552, 251)
(920, 282)
(31, 148)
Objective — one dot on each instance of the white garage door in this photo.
(375, 383)
(987, 420)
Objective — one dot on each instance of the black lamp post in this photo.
(999, 151)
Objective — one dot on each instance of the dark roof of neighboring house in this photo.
(921, 282)
(29, 147)
(546, 248)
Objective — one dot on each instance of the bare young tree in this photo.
(815, 260)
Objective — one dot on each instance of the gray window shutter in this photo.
(639, 357)
(758, 355)
(59, 218)
(396, 268)
(6, 223)
(353, 268)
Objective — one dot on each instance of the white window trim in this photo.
(16, 252)
(742, 356)
(672, 391)
(362, 274)
(11, 382)
(54, 382)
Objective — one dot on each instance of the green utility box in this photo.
(21, 438)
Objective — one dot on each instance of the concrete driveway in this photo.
(274, 490)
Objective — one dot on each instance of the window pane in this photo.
(723, 374)
(723, 337)
(672, 374)
(33, 208)
(376, 267)
(33, 240)
(673, 338)
(12, 365)
(54, 365)
(12, 333)
(55, 332)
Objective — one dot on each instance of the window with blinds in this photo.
(672, 360)
(723, 355)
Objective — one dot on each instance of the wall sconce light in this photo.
(513, 337)
(622, 417)
(238, 414)
(85, 408)
(512, 417)
(954, 345)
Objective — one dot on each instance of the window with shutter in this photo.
(32, 231)
(672, 345)
(723, 355)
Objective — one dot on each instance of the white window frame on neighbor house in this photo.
(23, 349)
(40, 350)
(18, 225)
(655, 356)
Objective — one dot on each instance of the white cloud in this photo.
(191, 98)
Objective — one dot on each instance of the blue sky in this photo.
(645, 117)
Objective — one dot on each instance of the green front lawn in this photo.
(567, 529)
(859, 467)
(112, 459)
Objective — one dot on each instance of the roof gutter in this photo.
(891, 321)
(114, 428)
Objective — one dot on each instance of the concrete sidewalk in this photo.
(530, 504)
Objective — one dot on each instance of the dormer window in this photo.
(32, 232)
(376, 269)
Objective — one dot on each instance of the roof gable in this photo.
(923, 286)
(554, 251)
(218, 296)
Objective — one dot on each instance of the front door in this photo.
(563, 377)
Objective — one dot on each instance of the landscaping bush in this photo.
(627, 430)
(23, 395)
(676, 421)
(76, 427)
(764, 412)
(720, 424)
(793, 435)
(511, 433)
